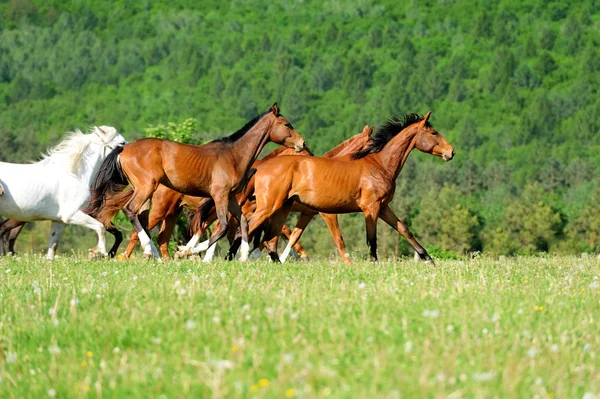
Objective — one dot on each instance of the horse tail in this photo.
(109, 181)
(200, 216)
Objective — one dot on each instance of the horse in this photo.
(9, 231)
(57, 187)
(167, 205)
(366, 183)
(218, 170)
(342, 151)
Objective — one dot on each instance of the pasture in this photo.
(516, 327)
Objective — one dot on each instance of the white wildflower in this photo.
(408, 347)
(361, 286)
(294, 316)
(483, 376)
(216, 319)
(51, 392)
(11, 357)
(104, 274)
(53, 350)
(532, 352)
(554, 348)
(270, 310)
(156, 341)
(432, 314)
(190, 324)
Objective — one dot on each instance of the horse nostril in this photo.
(453, 153)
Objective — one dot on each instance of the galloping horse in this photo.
(364, 184)
(342, 151)
(167, 205)
(218, 169)
(56, 187)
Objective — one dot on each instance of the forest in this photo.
(513, 85)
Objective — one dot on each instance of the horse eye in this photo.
(289, 125)
(434, 133)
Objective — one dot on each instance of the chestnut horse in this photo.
(218, 169)
(343, 150)
(364, 184)
(167, 205)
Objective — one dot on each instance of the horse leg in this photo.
(371, 224)
(388, 216)
(133, 240)
(274, 229)
(303, 221)
(287, 233)
(82, 219)
(336, 233)
(112, 229)
(56, 229)
(166, 232)
(139, 198)
(210, 252)
(237, 213)
(12, 237)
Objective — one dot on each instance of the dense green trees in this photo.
(512, 84)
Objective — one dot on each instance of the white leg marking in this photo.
(244, 250)
(148, 245)
(210, 253)
(285, 253)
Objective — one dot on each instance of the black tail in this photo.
(109, 180)
(201, 215)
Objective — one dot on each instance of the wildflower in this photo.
(483, 376)
(104, 274)
(590, 395)
(294, 316)
(254, 388)
(134, 278)
(290, 393)
(53, 350)
(224, 364)
(11, 357)
(216, 320)
(408, 347)
(432, 314)
(190, 324)
(182, 291)
(269, 310)
(51, 392)
(263, 382)
(84, 364)
(7, 271)
(235, 348)
(532, 352)
(449, 328)
(361, 286)
(116, 349)
(554, 348)
(156, 341)
(89, 354)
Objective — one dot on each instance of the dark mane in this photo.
(237, 135)
(386, 132)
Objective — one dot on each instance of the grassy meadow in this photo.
(515, 327)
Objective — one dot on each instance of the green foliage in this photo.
(181, 132)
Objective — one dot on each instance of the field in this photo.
(515, 327)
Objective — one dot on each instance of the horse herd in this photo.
(221, 181)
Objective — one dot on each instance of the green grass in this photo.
(522, 327)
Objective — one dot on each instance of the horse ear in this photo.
(426, 118)
(371, 130)
(275, 109)
(101, 131)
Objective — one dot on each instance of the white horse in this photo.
(58, 187)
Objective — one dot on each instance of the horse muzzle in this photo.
(448, 155)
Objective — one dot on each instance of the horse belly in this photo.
(325, 195)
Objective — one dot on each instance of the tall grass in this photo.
(522, 327)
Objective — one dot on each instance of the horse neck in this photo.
(394, 154)
(275, 153)
(247, 148)
(346, 147)
(92, 162)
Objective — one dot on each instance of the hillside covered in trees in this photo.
(512, 84)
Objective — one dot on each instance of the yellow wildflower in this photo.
(263, 382)
(89, 354)
(235, 348)
(254, 388)
(290, 393)
(84, 364)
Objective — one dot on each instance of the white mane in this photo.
(72, 150)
